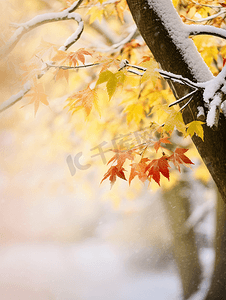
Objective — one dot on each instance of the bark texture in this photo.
(177, 205)
(154, 27)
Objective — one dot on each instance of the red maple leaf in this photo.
(178, 158)
(139, 169)
(112, 173)
(164, 140)
(157, 166)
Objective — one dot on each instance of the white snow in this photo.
(14, 98)
(214, 105)
(200, 111)
(223, 107)
(205, 29)
(178, 32)
(90, 270)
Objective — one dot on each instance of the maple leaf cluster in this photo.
(146, 168)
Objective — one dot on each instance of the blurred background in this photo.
(62, 234)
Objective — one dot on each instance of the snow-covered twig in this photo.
(222, 12)
(193, 30)
(15, 98)
(214, 93)
(66, 14)
(186, 104)
(71, 68)
(183, 98)
(207, 5)
(135, 72)
(180, 79)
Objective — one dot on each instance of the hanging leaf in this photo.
(85, 99)
(195, 127)
(37, 94)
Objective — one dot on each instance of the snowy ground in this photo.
(91, 270)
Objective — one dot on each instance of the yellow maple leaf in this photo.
(195, 127)
(173, 120)
(135, 112)
(95, 13)
(150, 73)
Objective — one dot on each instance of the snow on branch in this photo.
(220, 10)
(214, 94)
(193, 30)
(15, 98)
(66, 14)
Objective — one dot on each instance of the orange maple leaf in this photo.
(157, 166)
(83, 99)
(121, 156)
(37, 94)
(71, 58)
(164, 140)
(178, 158)
(112, 173)
(61, 73)
(140, 170)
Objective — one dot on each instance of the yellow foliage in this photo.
(175, 3)
(195, 127)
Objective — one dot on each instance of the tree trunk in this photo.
(161, 28)
(177, 204)
(163, 33)
(218, 288)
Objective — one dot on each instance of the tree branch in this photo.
(223, 11)
(66, 14)
(193, 30)
(15, 98)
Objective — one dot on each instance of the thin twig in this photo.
(207, 5)
(186, 104)
(180, 79)
(208, 18)
(71, 68)
(183, 98)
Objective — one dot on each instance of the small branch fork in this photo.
(66, 14)
(220, 10)
(213, 91)
(167, 75)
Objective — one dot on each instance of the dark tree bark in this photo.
(177, 204)
(217, 289)
(160, 30)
